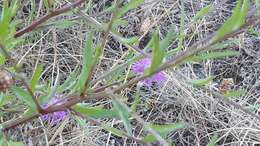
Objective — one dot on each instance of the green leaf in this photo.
(234, 22)
(36, 76)
(45, 98)
(113, 130)
(62, 24)
(163, 130)
(124, 115)
(131, 40)
(23, 96)
(13, 143)
(131, 5)
(213, 55)
(137, 100)
(257, 3)
(69, 82)
(95, 112)
(166, 42)
(204, 11)
(157, 54)
(235, 93)
(87, 61)
(213, 141)
(182, 33)
(202, 82)
(2, 59)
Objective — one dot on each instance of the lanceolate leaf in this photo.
(202, 82)
(36, 76)
(213, 141)
(69, 82)
(157, 54)
(124, 115)
(204, 11)
(23, 96)
(95, 112)
(113, 131)
(163, 130)
(235, 93)
(131, 5)
(235, 21)
(87, 61)
(213, 55)
(166, 42)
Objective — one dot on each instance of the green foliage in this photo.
(257, 3)
(234, 93)
(87, 62)
(2, 59)
(36, 76)
(202, 82)
(131, 5)
(123, 113)
(234, 22)
(23, 96)
(113, 131)
(69, 83)
(136, 102)
(213, 141)
(163, 130)
(130, 41)
(204, 11)
(166, 42)
(95, 112)
(213, 55)
(157, 54)
(5, 142)
(8, 26)
(61, 24)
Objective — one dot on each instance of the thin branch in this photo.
(102, 46)
(48, 16)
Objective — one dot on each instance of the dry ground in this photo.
(59, 49)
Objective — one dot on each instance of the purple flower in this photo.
(139, 68)
(56, 117)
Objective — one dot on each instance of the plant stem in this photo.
(46, 17)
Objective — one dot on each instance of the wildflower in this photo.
(139, 68)
(55, 117)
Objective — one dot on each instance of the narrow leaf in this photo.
(236, 20)
(23, 96)
(113, 131)
(166, 42)
(137, 100)
(235, 93)
(124, 114)
(202, 82)
(213, 141)
(204, 11)
(213, 55)
(95, 112)
(131, 5)
(163, 130)
(157, 54)
(87, 61)
(36, 76)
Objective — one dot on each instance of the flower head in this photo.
(139, 68)
(55, 117)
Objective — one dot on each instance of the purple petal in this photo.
(139, 68)
(56, 117)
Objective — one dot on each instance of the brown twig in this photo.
(48, 16)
